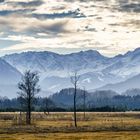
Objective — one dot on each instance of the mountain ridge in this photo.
(95, 69)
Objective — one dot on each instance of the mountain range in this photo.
(96, 71)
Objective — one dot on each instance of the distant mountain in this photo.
(8, 74)
(126, 65)
(130, 83)
(9, 77)
(9, 91)
(55, 68)
(95, 69)
(49, 61)
(65, 97)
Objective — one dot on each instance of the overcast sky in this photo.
(63, 26)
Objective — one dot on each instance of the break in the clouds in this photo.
(109, 26)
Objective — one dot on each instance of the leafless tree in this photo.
(48, 104)
(74, 80)
(84, 102)
(28, 89)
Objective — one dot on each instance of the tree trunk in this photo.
(75, 117)
(28, 115)
(84, 105)
(28, 118)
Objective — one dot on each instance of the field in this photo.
(55, 126)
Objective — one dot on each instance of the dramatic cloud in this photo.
(68, 14)
(1, 1)
(34, 3)
(109, 26)
(17, 12)
(130, 7)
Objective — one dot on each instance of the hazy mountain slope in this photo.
(133, 82)
(95, 69)
(126, 65)
(89, 80)
(8, 74)
(9, 90)
(55, 69)
(9, 77)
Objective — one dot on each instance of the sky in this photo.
(64, 26)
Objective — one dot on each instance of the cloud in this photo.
(70, 14)
(16, 12)
(33, 3)
(2, 1)
(91, 29)
(33, 26)
(65, 25)
(52, 28)
(130, 7)
(132, 23)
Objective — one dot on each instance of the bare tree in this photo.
(28, 89)
(48, 104)
(84, 102)
(74, 80)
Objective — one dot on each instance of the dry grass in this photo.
(74, 136)
(94, 121)
(99, 126)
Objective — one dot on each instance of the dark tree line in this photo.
(117, 102)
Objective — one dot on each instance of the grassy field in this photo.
(55, 126)
(74, 136)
